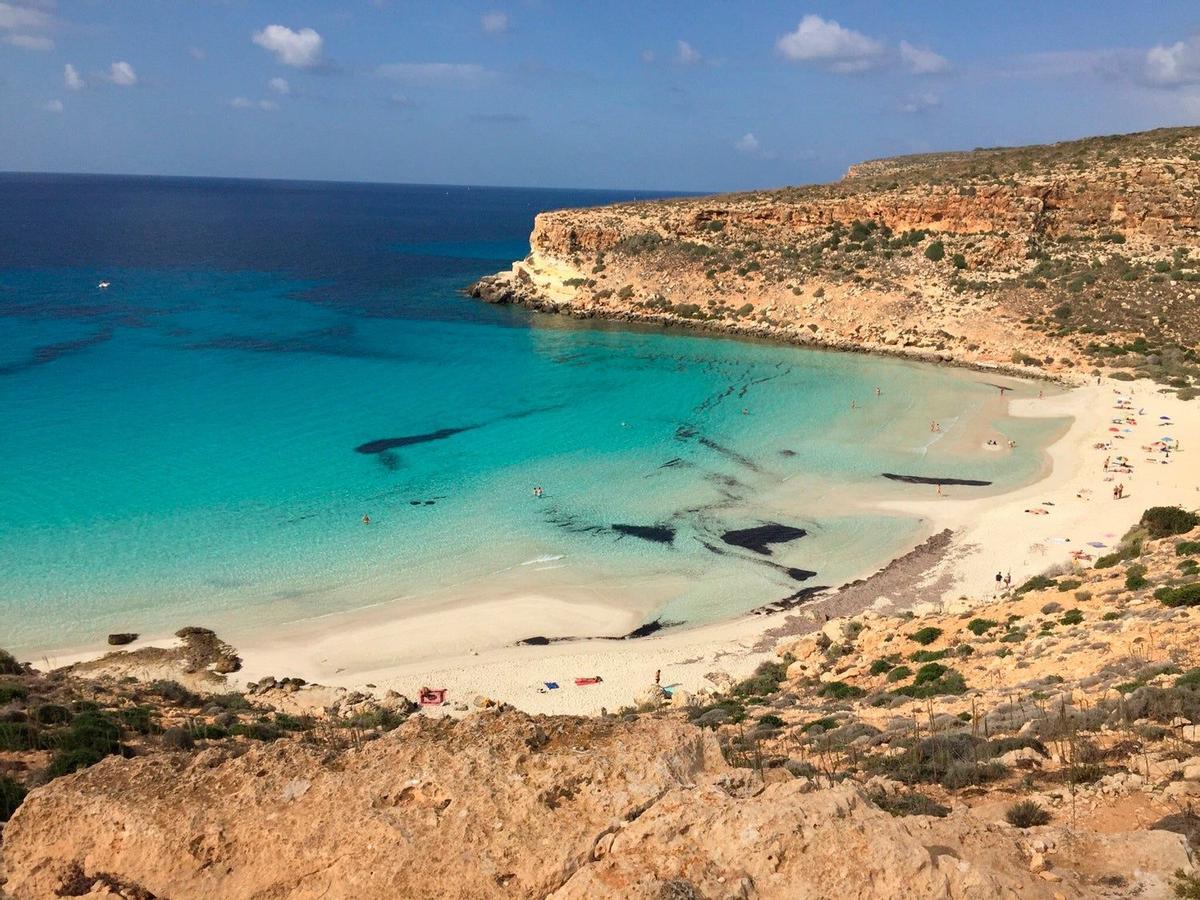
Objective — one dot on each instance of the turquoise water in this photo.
(181, 447)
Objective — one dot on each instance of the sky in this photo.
(654, 94)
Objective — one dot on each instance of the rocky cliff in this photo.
(1042, 257)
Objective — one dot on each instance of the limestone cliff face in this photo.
(957, 257)
(504, 805)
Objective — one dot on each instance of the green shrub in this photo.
(175, 692)
(926, 636)
(1188, 595)
(839, 690)
(1165, 521)
(899, 673)
(9, 664)
(12, 690)
(11, 795)
(934, 680)
(979, 626)
(1183, 548)
(826, 724)
(909, 804)
(1026, 814)
(50, 714)
(1036, 583)
(765, 680)
(936, 251)
(1069, 584)
(771, 721)
(959, 261)
(1135, 577)
(885, 664)
(925, 656)
(1111, 616)
(19, 736)
(1071, 617)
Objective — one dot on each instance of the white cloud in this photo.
(686, 54)
(29, 42)
(494, 22)
(919, 103)
(435, 73)
(922, 60)
(122, 74)
(828, 44)
(53, 106)
(72, 79)
(1175, 65)
(12, 17)
(280, 86)
(197, 53)
(300, 49)
(748, 143)
(247, 103)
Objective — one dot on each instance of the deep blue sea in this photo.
(199, 442)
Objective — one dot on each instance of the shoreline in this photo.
(959, 541)
(484, 291)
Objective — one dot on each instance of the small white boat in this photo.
(102, 285)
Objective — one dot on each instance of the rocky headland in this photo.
(1045, 260)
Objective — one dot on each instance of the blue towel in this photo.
(552, 685)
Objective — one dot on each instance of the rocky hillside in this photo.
(1044, 743)
(1052, 258)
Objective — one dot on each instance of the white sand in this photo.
(436, 649)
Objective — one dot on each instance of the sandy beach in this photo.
(469, 649)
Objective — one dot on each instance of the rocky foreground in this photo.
(1041, 259)
(1043, 743)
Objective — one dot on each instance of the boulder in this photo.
(653, 696)
(121, 638)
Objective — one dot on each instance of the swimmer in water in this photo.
(537, 492)
(366, 520)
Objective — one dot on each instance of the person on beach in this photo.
(939, 490)
(878, 393)
(1007, 580)
(657, 676)
(1120, 491)
(999, 581)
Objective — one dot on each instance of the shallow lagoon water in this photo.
(181, 447)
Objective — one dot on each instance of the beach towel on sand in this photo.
(582, 682)
(432, 696)
(551, 685)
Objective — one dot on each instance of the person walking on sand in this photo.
(657, 676)
(1007, 580)
(999, 581)
(939, 490)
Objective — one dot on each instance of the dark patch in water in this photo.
(730, 454)
(685, 432)
(787, 452)
(800, 574)
(674, 463)
(760, 537)
(382, 444)
(921, 479)
(659, 534)
(389, 460)
(48, 353)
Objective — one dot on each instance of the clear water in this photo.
(181, 447)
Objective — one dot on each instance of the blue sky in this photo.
(651, 94)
